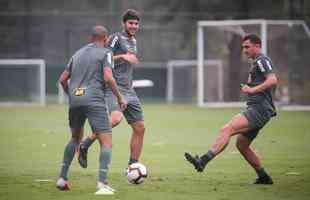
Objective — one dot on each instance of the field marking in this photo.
(43, 180)
(293, 173)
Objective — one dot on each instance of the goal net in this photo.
(182, 80)
(22, 81)
(286, 42)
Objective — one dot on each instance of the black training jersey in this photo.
(121, 43)
(260, 68)
(86, 69)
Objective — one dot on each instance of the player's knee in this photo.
(225, 130)
(107, 145)
(116, 118)
(105, 140)
(139, 128)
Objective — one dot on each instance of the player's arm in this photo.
(63, 80)
(131, 57)
(108, 78)
(65, 76)
(271, 79)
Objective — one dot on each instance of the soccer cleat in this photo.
(82, 156)
(104, 189)
(267, 180)
(196, 161)
(62, 184)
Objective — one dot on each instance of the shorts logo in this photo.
(79, 91)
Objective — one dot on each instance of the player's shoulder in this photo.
(107, 51)
(264, 63)
(262, 58)
(115, 36)
(104, 51)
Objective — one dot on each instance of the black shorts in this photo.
(258, 117)
(97, 116)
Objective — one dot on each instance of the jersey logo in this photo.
(269, 64)
(260, 65)
(114, 41)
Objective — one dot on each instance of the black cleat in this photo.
(196, 161)
(266, 180)
(82, 156)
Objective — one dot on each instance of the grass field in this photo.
(32, 140)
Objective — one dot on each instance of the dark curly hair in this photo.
(131, 14)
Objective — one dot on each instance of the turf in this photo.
(32, 140)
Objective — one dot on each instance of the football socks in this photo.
(68, 157)
(104, 162)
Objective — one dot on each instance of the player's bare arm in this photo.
(63, 80)
(108, 77)
(271, 80)
(129, 57)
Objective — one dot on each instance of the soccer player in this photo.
(260, 109)
(85, 80)
(124, 46)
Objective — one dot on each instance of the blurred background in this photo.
(54, 30)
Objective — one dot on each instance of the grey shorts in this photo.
(132, 113)
(97, 116)
(258, 117)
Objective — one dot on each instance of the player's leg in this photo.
(100, 124)
(136, 141)
(238, 124)
(134, 116)
(105, 140)
(243, 144)
(116, 117)
(76, 120)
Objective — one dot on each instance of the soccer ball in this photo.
(136, 173)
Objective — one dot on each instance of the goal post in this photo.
(182, 80)
(284, 41)
(23, 82)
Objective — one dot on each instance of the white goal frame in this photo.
(42, 77)
(183, 63)
(200, 48)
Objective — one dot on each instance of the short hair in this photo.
(255, 39)
(99, 31)
(131, 14)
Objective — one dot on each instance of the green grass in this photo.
(32, 140)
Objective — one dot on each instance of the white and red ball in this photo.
(136, 173)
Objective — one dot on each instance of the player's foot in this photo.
(104, 189)
(82, 156)
(62, 184)
(196, 161)
(264, 180)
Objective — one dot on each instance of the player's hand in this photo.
(246, 89)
